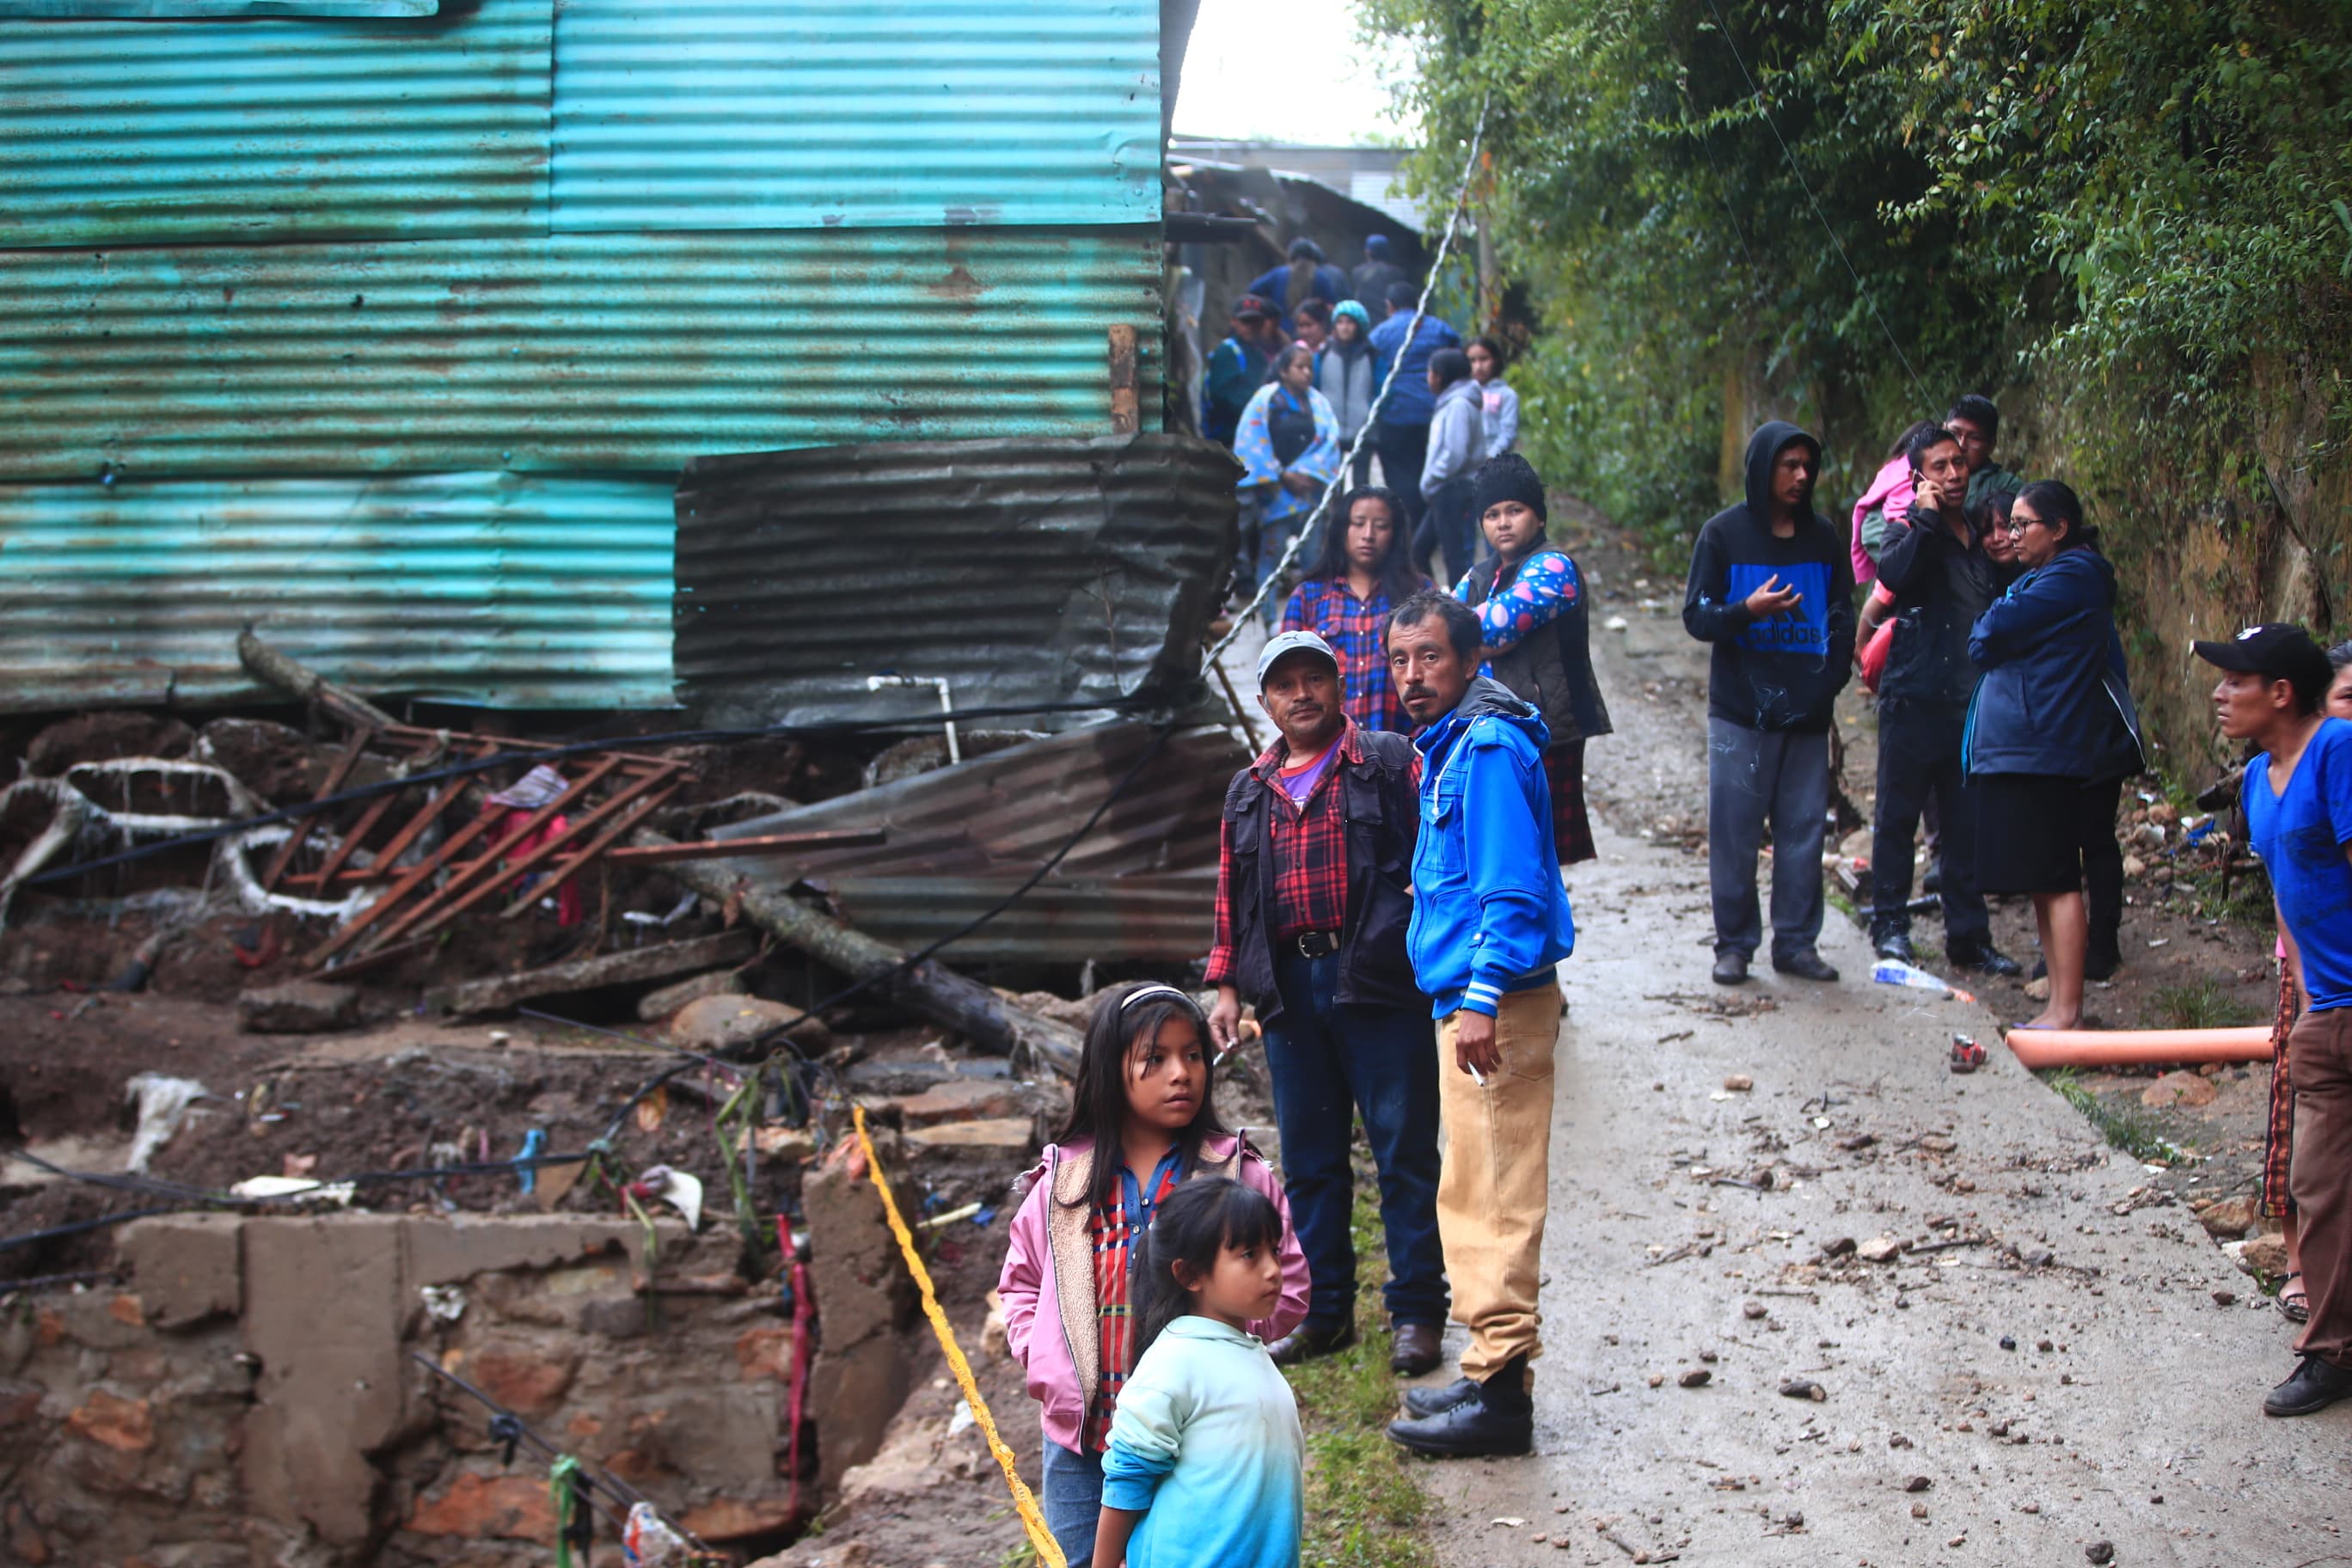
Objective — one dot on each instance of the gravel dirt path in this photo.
(2060, 1356)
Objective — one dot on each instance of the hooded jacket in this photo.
(1047, 1285)
(1343, 374)
(2053, 699)
(1457, 440)
(1489, 915)
(1784, 673)
(1889, 495)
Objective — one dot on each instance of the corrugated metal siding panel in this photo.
(1020, 571)
(484, 588)
(1168, 920)
(751, 114)
(579, 353)
(1009, 810)
(142, 133)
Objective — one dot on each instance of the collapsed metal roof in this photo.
(1018, 572)
(1141, 885)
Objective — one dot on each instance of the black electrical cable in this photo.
(501, 759)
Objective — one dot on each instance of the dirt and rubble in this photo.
(151, 1395)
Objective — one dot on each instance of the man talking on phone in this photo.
(1771, 586)
(1490, 925)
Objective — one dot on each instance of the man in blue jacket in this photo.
(1490, 925)
(1400, 420)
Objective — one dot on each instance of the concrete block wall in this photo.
(248, 1396)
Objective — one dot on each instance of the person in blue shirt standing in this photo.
(2297, 795)
(1400, 419)
(1490, 925)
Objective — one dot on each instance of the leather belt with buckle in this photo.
(1317, 943)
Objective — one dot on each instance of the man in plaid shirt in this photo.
(1313, 903)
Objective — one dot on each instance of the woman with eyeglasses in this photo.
(2051, 731)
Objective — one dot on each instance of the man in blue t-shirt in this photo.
(2297, 795)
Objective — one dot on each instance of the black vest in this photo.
(1552, 670)
(1383, 813)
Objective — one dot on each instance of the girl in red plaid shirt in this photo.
(1365, 572)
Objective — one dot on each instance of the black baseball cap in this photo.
(2274, 653)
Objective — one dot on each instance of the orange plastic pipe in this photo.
(2040, 1049)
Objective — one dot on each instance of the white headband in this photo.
(1157, 988)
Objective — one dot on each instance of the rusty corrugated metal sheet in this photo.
(1007, 811)
(1156, 919)
(500, 588)
(236, 129)
(1140, 885)
(582, 353)
(703, 114)
(1018, 571)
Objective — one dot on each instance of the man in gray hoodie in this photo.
(1457, 444)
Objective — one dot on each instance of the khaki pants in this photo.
(1495, 1184)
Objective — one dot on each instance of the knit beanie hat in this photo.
(1508, 477)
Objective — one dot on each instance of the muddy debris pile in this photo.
(390, 1111)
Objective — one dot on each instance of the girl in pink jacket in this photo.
(1143, 1096)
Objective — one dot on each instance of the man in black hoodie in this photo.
(1771, 586)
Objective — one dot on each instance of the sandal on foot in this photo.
(2294, 1301)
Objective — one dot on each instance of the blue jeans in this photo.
(1329, 1061)
(1072, 1499)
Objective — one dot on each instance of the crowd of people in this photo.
(1389, 903)
(2005, 717)
(1446, 411)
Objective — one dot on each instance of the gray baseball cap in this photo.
(1291, 642)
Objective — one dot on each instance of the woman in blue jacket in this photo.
(2052, 732)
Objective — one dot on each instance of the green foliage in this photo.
(2207, 1005)
(2136, 215)
(2126, 1128)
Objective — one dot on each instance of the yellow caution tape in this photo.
(1049, 1551)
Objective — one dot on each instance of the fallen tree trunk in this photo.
(929, 988)
(628, 967)
(300, 681)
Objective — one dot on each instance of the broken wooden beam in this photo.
(500, 992)
(305, 685)
(929, 988)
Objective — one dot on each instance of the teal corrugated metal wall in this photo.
(583, 352)
(124, 132)
(500, 588)
(413, 289)
(750, 114)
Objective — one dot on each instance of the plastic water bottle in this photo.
(1894, 971)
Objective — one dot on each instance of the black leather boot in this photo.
(1499, 1419)
(1419, 1401)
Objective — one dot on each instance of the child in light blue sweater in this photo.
(1206, 1461)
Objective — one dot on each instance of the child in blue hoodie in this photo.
(1490, 925)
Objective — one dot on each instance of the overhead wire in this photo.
(1421, 310)
(913, 959)
(1764, 112)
